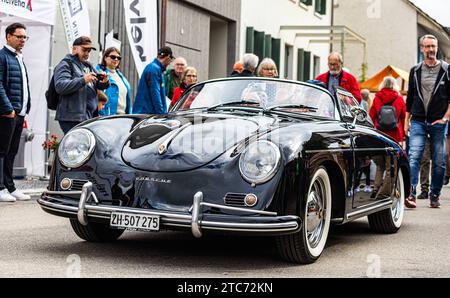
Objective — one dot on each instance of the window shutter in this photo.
(300, 65)
(259, 44)
(250, 42)
(267, 46)
(307, 66)
(276, 51)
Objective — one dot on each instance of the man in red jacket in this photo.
(336, 76)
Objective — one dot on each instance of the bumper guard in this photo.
(271, 223)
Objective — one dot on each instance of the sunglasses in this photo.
(114, 57)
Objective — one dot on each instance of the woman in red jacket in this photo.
(188, 78)
(390, 96)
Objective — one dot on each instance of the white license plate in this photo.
(134, 222)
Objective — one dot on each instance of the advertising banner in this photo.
(42, 11)
(141, 19)
(75, 16)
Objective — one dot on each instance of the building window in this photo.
(321, 7)
(316, 66)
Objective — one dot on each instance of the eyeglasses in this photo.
(114, 57)
(87, 50)
(21, 37)
(191, 76)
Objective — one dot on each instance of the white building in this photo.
(392, 29)
(265, 32)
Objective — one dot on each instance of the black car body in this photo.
(253, 156)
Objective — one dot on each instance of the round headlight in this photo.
(260, 162)
(76, 148)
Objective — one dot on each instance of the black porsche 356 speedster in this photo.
(245, 155)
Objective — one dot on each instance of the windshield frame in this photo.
(337, 112)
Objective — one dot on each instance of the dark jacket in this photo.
(440, 98)
(393, 98)
(151, 94)
(78, 100)
(11, 85)
(346, 81)
(244, 73)
(172, 81)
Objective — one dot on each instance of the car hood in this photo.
(172, 144)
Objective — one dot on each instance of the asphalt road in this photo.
(36, 244)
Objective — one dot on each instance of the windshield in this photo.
(259, 93)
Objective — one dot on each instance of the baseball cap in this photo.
(85, 42)
(165, 51)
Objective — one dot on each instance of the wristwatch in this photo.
(446, 119)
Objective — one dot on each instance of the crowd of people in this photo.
(420, 122)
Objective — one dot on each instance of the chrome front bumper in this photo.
(259, 222)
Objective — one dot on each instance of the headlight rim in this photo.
(93, 143)
(272, 172)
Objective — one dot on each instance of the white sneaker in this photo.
(5, 196)
(20, 196)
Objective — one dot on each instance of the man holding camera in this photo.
(77, 83)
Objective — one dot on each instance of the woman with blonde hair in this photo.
(389, 97)
(267, 69)
(188, 77)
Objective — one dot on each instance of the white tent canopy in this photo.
(39, 20)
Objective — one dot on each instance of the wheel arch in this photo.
(406, 178)
(338, 188)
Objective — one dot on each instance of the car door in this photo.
(373, 162)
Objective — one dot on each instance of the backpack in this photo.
(387, 118)
(51, 95)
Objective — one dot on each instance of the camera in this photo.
(100, 76)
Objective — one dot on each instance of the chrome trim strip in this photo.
(329, 150)
(385, 203)
(348, 150)
(67, 193)
(164, 146)
(239, 209)
(286, 225)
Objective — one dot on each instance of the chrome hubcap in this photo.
(315, 213)
(397, 205)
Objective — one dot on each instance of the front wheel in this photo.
(95, 232)
(307, 245)
(390, 220)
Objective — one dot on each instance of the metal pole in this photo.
(50, 73)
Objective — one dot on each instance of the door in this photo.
(373, 161)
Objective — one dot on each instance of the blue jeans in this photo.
(417, 140)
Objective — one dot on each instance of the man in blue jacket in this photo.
(15, 103)
(151, 94)
(77, 83)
